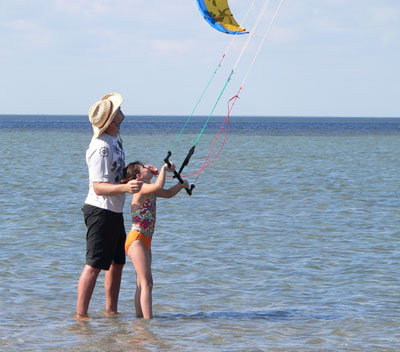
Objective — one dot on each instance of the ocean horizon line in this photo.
(214, 116)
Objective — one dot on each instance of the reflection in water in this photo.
(141, 338)
(260, 315)
(117, 332)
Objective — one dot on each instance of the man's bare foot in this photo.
(110, 313)
(81, 317)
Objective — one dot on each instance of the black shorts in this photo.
(105, 238)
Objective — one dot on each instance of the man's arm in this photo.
(109, 189)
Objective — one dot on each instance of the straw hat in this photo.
(102, 113)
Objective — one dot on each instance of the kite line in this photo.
(231, 101)
(225, 54)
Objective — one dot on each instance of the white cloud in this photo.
(88, 8)
(281, 35)
(171, 47)
(98, 8)
(29, 33)
(386, 15)
(383, 23)
(22, 25)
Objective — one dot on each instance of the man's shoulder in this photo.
(101, 141)
(99, 146)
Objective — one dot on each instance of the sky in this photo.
(320, 58)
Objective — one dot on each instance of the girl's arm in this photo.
(157, 188)
(110, 189)
(173, 191)
(150, 188)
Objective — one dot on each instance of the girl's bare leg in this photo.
(141, 259)
(138, 308)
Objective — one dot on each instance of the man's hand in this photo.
(134, 186)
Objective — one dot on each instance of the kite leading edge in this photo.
(219, 16)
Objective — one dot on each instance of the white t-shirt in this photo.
(105, 158)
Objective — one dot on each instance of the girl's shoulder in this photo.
(146, 198)
(140, 198)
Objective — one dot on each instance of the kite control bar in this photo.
(187, 159)
(177, 175)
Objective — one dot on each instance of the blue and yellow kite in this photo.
(219, 16)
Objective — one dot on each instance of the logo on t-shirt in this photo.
(103, 152)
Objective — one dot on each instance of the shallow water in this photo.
(290, 242)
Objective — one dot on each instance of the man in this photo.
(105, 238)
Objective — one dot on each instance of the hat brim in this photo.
(116, 101)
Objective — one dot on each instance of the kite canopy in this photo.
(219, 16)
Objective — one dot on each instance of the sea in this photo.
(289, 242)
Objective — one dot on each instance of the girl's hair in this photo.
(131, 171)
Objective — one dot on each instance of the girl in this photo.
(138, 242)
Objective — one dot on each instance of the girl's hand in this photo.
(153, 170)
(170, 169)
(185, 184)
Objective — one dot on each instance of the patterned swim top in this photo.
(144, 219)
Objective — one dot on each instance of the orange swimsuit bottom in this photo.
(137, 236)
